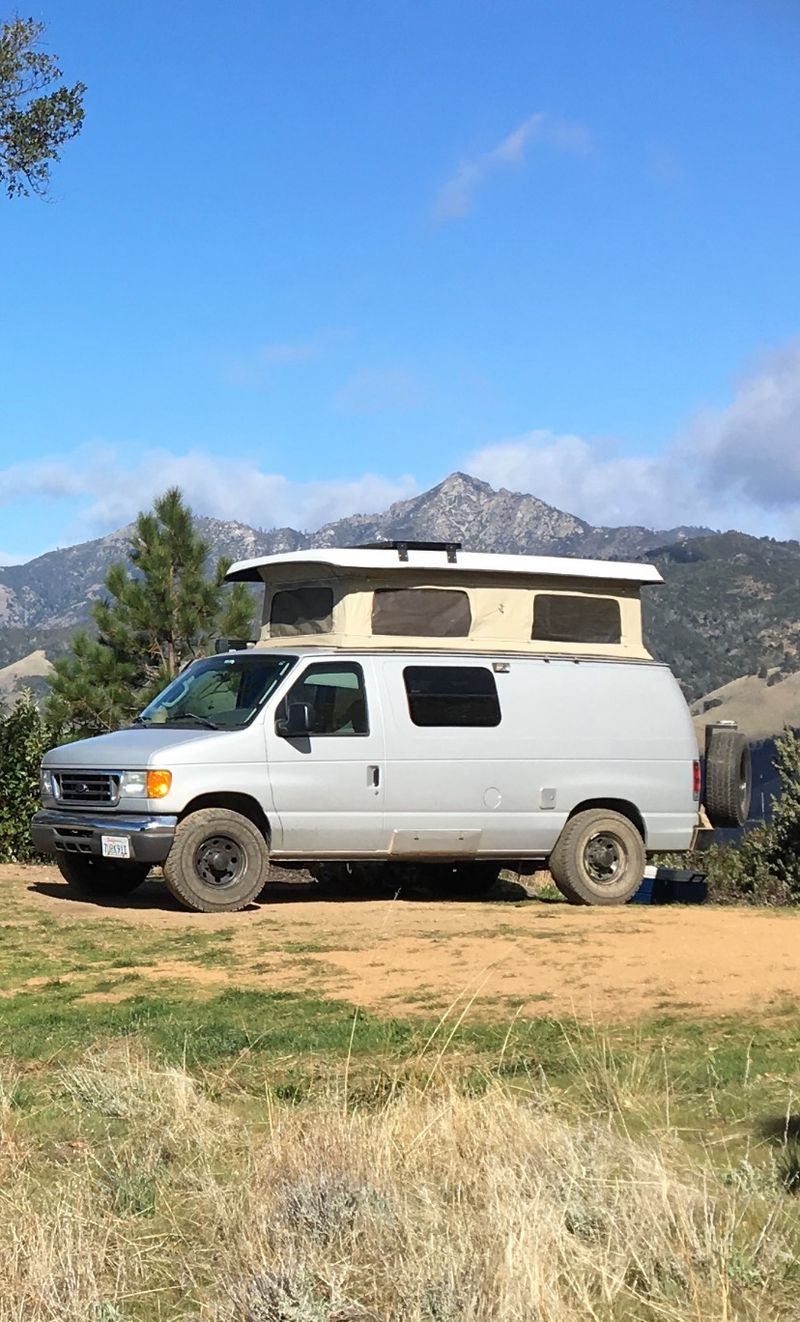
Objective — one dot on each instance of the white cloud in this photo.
(237, 489)
(574, 474)
(732, 467)
(108, 491)
(753, 447)
(51, 479)
(737, 466)
(457, 196)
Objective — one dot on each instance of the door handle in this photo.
(374, 776)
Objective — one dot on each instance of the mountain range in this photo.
(730, 605)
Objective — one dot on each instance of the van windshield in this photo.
(219, 693)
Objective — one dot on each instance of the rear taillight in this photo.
(697, 780)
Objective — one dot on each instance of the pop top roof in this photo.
(403, 556)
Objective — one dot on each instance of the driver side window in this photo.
(334, 693)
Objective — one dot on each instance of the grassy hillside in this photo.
(730, 605)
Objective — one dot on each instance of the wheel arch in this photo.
(623, 806)
(244, 804)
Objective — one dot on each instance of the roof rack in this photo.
(403, 547)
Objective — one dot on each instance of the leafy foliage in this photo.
(34, 122)
(783, 855)
(25, 737)
(764, 866)
(162, 611)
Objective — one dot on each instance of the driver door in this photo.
(326, 779)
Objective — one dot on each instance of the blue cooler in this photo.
(671, 886)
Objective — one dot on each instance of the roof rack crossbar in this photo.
(402, 547)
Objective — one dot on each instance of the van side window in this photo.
(560, 618)
(421, 612)
(334, 691)
(451, 695)
(301, 610)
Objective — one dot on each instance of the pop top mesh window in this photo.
(421, 612)
(301, 610)
(451, 695)
(565, 619)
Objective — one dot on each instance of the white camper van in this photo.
(407, 705)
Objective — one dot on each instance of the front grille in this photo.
(87, 787)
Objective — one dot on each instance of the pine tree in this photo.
(162, 610)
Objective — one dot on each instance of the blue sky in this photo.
(310, 257)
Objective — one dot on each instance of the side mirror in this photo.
(294, 721)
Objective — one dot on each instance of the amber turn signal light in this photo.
(158, 784)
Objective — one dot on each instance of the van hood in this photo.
(139, 748)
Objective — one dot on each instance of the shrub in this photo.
(740, 871)
(25, 737)
(783, 842)
(763, 867)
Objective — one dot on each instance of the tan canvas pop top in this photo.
(434, 596)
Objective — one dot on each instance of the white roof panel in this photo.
(465, 562)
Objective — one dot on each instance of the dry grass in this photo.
(133, 1192)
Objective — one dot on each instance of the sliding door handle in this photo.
(374, 776)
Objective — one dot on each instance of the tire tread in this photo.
(724, 762)
(564, 866)
(176, 872)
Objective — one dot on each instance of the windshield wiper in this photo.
(192, 716)
(141, 720)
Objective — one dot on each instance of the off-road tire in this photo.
(728, 778)
(591, 842)
(92, 876)
(241, 867)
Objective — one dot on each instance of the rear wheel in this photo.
(90, 876)
(218, 861)
(599, 858)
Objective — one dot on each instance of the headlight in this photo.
(146, 784)
(46, 786)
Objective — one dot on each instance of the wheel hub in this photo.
(604, 857)
(219, 861)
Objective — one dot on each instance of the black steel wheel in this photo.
(599, 858)
(218, 862)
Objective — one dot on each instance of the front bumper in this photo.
(55, 831)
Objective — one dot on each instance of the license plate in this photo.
(115, 846)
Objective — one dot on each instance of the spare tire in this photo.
(728, 777)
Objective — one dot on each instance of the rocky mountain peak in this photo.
(42, 603)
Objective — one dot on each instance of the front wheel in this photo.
(218, 862)
(92, 877)
(599, 858)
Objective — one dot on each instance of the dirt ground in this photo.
(396, 956)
